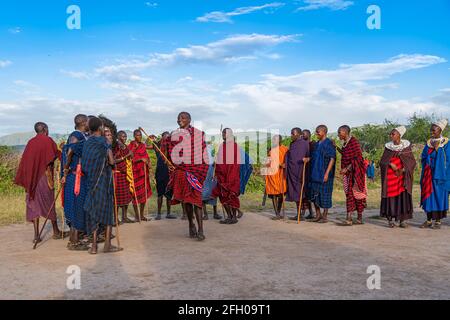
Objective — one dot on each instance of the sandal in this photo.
(427, 225)
(403, 225)
(171, 217)
(277, 218)
(77, 246)
(346, 223)
(193, 233)
(113, 249)
(61, 235)
(359, 222)
(437, 226)
(240, 214)
(226, 221)
(234, 221)
(392, 225)
(317, 220)
(217, 217)
(201, 236)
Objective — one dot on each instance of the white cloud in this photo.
(335, 96)
(221, 16)
(5, 63)
(151, 4)
(353, 94)
(76, 74)
(15, 30)
(229, 50)
(325, 4)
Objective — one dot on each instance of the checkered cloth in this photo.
(123, 193)
(143, 190)
(99, 204)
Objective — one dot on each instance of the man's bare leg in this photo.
(188, 208)
(205, 212)
(160, 203)
(216, 215)
(143, 218)
(94, 247)
(36, 231)
(318, 214)
(109, 248)
(199, 217)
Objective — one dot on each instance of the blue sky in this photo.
(245, 64)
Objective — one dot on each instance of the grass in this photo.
(12, 206)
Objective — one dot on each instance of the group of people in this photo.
(102, 174)
(304, 174)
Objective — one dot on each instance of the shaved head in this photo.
(40, 127)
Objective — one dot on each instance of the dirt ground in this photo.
(255, 259)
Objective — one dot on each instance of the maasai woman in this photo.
(275, 178)
(141, 165)
(435, 181)
(35, 174)
(228, 174)
(353, 172)
(123, 192)
(397, 175)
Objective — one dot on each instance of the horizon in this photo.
(244, 64)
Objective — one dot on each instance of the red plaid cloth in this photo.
(123, 193)
(186, 151)
(143, 190)
(427, 180)
(355, 180)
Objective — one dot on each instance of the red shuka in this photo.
(39, 153)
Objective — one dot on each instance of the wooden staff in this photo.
(145, 185)
(217, 154)
(166, 160)
(135, 195)
(299, 210)
(282, 192)
(48, 216)
(116, 209)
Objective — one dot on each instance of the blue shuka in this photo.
(322, 193)
(439, 161)
(99, 204)
(73, 204)
(245, 171)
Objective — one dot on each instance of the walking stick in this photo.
(116, 209)
(145, 185)
(166, 160)
(48, 216)
(135, 195)
(299, 210)
(283, 202)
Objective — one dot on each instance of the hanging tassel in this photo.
(78, 180)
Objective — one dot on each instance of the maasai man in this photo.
(35, 174)
(75, 183)
(275, 177)
(141, 165)
(322, 174)
(296, 160)
(228, 171)
(435, 180)
(97, 164)
(162, 177)
(353, 172)
(187, 152)
(397, 177)
(306, 134)
(209, 185)
(122, 185)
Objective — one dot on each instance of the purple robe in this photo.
(294, 170)
(40, 205)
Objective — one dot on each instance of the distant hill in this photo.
(21, 139)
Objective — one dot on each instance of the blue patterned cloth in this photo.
(322, 193)
(245, 171)
(99, 204)
(210, 184)
(439, 161)
(73, 205)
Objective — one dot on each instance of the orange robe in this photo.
(276, 180)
